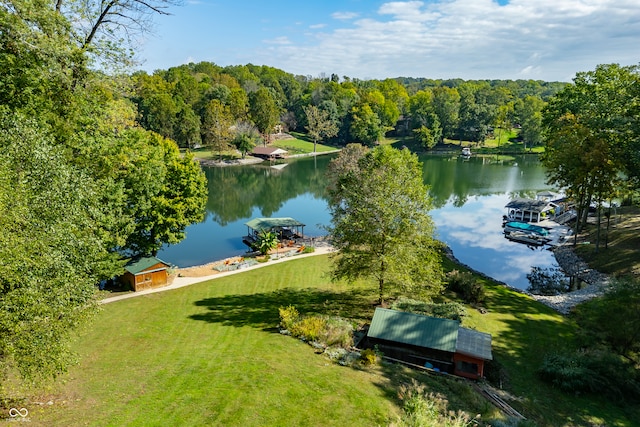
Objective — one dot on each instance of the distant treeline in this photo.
(197, 104)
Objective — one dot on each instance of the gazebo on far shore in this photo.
(286, 229)
(269, 153)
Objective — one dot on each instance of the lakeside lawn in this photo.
(211, 354)
(300, 144)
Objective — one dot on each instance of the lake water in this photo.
(469, 198)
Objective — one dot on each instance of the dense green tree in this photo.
(427, 137)
(264, 112)
(386, 109)
(319, 124)
(381, 224)
(159, 114)
(394, 92)
(51, 256)
(529, 111)
(446, 105)
(77, 184)
(187, 128)
(216, 126)
(345, 163)
(245, 137)
(172, 192)
(587, 129)
(420, 109)
(366, 126)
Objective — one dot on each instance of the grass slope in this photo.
(210, 354)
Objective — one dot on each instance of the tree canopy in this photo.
(592, 136)
(82, 187)
(381, 223)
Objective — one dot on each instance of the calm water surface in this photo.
(469, 198)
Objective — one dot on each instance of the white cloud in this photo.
(317, 26)
(280, 41)
(545, 39)
(344, 16)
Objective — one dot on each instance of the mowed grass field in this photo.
(211, 355)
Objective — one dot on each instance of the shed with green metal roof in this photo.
(441, 344)
(146, 273)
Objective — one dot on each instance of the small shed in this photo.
(441, 344)
(269, 153)
(146, 273)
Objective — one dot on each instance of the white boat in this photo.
(528, 238)
(466, 152)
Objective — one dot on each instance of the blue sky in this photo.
(548, 40)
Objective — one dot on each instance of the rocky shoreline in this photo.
(572, 265)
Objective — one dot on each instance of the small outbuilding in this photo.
(146, 273)
(440, 344)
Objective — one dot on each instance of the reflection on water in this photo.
(474, 233)
(469, 198)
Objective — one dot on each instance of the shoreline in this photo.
(179, 281)
(568, 261)
(251, 160)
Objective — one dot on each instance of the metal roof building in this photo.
(430, 341)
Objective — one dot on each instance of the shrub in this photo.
(288, 316)
(592, 372)
(449, 310)
(309, 328)
(368, 357)
(308, 250)
(464, 284)
(337, 332)
(421, 409)
(547, 281)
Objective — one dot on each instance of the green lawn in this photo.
(210, 354)
(301, 145)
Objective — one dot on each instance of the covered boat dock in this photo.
(286, 228)
(530, 210)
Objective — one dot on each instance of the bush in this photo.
(449, 310)
(288, 316)
(465, 285)
(309, 328)
(421, 409)
(549, 281)
(328, 331)
(592, 372)
(337, 332)
(368, 357)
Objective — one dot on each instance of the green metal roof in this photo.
(260, 224)
(414, 329)
(474, 343)
(141, 264)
